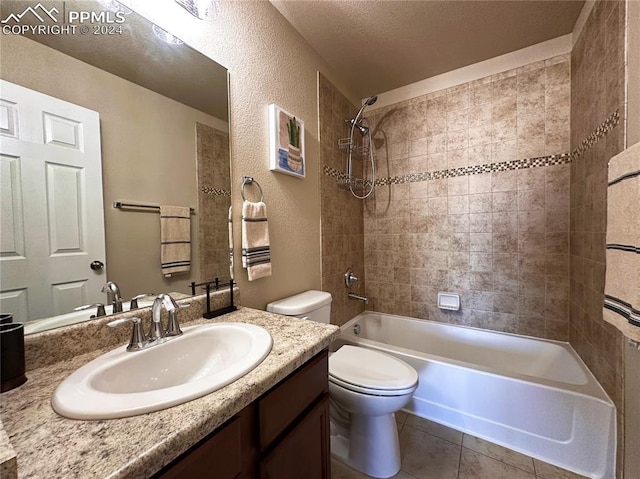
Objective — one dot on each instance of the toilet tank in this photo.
(313, 305)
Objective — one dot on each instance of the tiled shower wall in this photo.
(341, 215)
(214, 199)
(473, 198)
(597, 92)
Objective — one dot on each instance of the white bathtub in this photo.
(531, 395)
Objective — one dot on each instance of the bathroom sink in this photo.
(121, 383)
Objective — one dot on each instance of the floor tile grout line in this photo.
(461, 445)
(460, 456)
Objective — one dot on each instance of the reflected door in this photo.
(52, 220)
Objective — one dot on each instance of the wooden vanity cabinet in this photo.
(284, 434)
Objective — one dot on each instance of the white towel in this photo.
(256, 253)
(622, 281)
(175, 239)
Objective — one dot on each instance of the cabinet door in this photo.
(218, 456)
(304, 452)
(280, 407)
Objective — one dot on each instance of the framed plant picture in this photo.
(286, 142)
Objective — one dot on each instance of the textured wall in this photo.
(597, 92)
(342, 214)
(474, 202)
(268, 62)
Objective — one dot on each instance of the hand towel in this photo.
(622, 280)
(175, 239)
(231, 263)
(256, 253)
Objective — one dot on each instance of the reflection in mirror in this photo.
(160, 120)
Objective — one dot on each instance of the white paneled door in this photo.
(52, 220)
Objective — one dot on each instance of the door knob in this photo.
(96, 265)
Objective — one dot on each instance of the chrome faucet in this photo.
(138, 339)
(134, 300)
(99, 312)
(157, 332)
(364, 299)
(113, 295)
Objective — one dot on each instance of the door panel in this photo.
(12, 237)
(52, 213)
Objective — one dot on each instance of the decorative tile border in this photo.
(549, 160)
(600, 132)
(208, 190)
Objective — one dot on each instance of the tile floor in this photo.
(433, 451)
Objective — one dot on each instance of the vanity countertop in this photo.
(50, 446)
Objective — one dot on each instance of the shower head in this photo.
(364, 130)
(368, 102)
(356, 123)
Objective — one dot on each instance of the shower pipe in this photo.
(364, 131)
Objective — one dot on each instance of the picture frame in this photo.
(286, 143)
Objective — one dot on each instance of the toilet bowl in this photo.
(366, 389)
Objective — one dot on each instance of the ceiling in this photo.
(175, 71)
(380, 45)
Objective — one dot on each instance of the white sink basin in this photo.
(202, 360)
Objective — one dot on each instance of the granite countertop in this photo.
(50, 446)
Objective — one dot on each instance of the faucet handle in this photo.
(134, 300)
(350, 278)
(173, 326)
(138, 338)
(100, 312)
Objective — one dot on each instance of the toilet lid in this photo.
(371, 369)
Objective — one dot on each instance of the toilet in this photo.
(366, 389)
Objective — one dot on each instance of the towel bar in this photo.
(123, 204)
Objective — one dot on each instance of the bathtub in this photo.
(531, 395)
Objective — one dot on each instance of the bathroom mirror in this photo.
(163, 136)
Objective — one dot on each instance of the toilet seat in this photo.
(371, 372)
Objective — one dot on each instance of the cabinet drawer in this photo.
(218, 456)
(282, 405)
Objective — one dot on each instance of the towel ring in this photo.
(248, 180)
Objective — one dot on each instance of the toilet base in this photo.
(372, 447)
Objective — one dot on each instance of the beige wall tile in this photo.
(478, 234)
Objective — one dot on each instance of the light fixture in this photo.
(114, 6)
(201, 8)
(166, 36)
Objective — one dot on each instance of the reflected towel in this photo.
(256, 253)
(175, 239)
(231, 242)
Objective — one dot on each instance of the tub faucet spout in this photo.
(364, 299)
